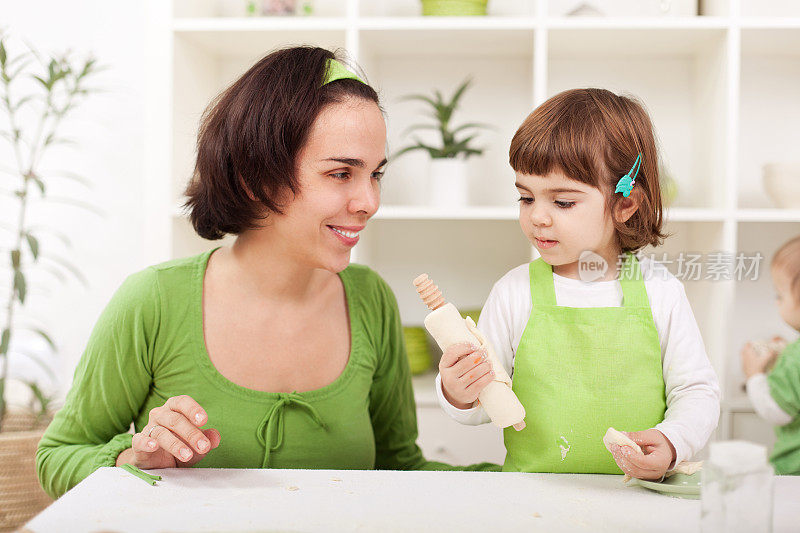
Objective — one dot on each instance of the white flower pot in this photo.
(448, 182)
(782, 184)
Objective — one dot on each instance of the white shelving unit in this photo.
(721, 90)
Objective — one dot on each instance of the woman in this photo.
(272, 352)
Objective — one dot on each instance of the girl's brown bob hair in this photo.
(251, 134)
(594, 136)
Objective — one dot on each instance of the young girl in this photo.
(621, 350)
(776, 397)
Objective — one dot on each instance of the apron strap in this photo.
(634, 294)
(543, 292)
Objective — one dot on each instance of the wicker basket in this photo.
(21, 496)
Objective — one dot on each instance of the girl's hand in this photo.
(658, 455)
(172, 437)
(752, 362)
(465, 373)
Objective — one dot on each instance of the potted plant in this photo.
(36, 95)
(448, 165)
(454, 8)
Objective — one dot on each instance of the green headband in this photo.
(336, 71)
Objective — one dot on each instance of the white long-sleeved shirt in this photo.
(763, 403)
(692, 387)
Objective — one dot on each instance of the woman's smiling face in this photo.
(338, 171)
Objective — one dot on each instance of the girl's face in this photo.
(339, 171)
(788, 306)
(563, 218)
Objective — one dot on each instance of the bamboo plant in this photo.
(441, 111)
(36, 96)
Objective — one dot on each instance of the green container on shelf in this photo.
(419, 354)
(454, 8)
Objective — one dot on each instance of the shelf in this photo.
(221, 37)
(510, 39)
(736, 405)
(264, 24)
(692, 214)
(768, 215)
(416, 212)
(768, 113)
(397, 212)
(626, 40)
(770, 23)
(773, 41)
(628, 23)
(425, 389)
(477, 24)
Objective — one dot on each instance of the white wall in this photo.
(109, 128)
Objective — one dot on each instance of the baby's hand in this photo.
(465, 373)
(752, 362)
(658, 455)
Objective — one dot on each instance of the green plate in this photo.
(677, 486)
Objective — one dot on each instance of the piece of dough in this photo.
(686, 467)
(613, 436)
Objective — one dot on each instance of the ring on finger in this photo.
(149, 433)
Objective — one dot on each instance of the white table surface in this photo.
(204, 499)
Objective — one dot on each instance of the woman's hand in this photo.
(465, 373)
(753, 362)
(658, 455)
(172, 437)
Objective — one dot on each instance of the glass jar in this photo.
(736, 489)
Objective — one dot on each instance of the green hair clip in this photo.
(335, 70)
(626, 182)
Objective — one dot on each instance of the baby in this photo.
(776, 395)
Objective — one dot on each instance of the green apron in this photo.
(579, 371)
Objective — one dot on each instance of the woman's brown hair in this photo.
(594, 136)
(251, 134)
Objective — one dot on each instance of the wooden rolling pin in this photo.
(447, 327)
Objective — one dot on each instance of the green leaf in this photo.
(36, 179)
(52, 139)
(3, 54)
(75, 203)
(415, 127)
(54, 271)
(43, 334)
(4, 340)
(459, 92)
(86, 182)
(422, 97)
(38, 360)
(19, 70)
(33, 243)
(58, 234)
(471, 125)
(19, 286)
(87, 68)
(66, 265)
(406, 150)
(42, 81)
(15, 259)
(41, 397)
(16, 107)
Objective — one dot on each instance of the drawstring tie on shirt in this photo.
(270, 430)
